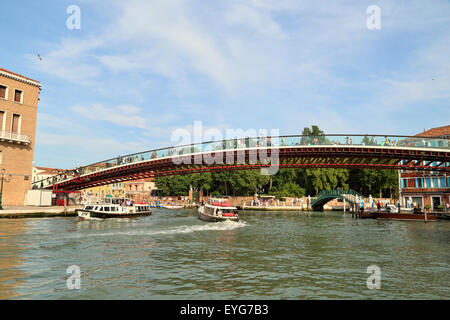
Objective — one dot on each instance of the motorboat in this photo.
(110, 210)
(392, 212)
(173, 206)
(218, 210)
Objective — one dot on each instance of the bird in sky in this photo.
(39, 57)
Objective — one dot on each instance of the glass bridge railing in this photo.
(246, 143)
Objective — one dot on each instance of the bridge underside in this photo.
(319, 203)
(291, 157)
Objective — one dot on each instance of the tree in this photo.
(373, 181)
(312, 135)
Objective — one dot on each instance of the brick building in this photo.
(140, 190)
(41, 173)
(19, 98)
(426, 188)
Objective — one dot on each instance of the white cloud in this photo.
(71, 61)
(256, 19)
(118, 115)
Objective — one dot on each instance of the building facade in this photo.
(140, 190)
(115, 190)
(426, 189)
(41, 173)
(19, 98)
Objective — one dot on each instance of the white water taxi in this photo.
(218, 210)
(104, 211)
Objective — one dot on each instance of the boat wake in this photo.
(217, 226)
(89, 219)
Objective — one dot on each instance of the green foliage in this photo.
(173, 186)
(316, 180)
(289, 189)
(312, 136)
(287, 182)
(366, 141)
(374, 182)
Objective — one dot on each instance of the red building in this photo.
(426, 188)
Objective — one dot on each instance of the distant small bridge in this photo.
(324, 196)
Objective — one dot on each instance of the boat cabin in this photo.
(220, 207)
(117, 209)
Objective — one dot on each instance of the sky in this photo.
(136, 71)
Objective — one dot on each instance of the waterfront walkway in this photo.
(37, 212)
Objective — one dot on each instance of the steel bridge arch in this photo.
(324, 196)
(333, 151)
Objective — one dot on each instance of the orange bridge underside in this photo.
(309, 157)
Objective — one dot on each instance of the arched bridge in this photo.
(269, 153)
(351, 196)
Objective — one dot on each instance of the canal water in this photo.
(268, 255)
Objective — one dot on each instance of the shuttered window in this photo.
(3, 92)
(15, 123)
(2, 116)
(17, 96)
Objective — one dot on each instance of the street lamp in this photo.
(7, 179)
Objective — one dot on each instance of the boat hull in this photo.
(398, 216)
(206, 217)
(87, 214)
(173, 207)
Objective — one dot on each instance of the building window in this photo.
(404, 183)
(417, 201)
(2, 120)
(427, 182)
(448, 182)
(436, 201)
(15, 126)
(3, 92)
(435, 182)
(442, 182)
(18, 95)
(419, 183)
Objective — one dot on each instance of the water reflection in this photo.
(10, 257)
